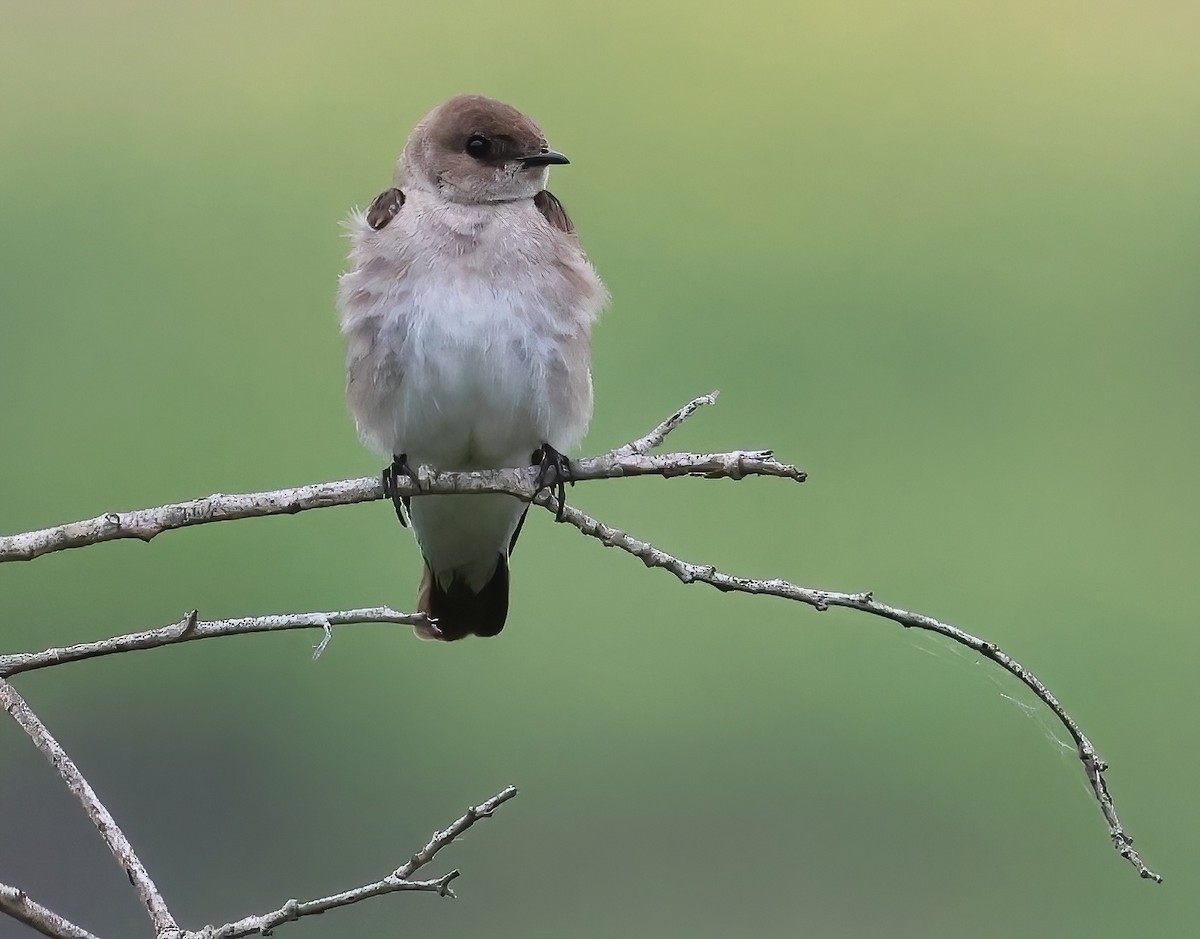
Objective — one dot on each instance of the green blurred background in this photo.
(942, 255)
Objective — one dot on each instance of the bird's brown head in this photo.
(473, 149)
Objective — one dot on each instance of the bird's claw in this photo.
(549, 460)
(391, 474)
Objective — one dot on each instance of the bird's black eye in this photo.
(478, 146)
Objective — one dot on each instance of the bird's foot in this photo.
(549, 460)
(398, 468)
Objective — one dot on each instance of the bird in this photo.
(467, 308)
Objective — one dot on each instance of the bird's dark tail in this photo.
(459, 611)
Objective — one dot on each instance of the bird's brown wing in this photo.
(547, 203)
(385, 207)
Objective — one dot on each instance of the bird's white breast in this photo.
(473, 371)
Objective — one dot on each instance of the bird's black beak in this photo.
(545, 158)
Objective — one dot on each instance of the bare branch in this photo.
(20, 907)
(118, 844)
(654, 439)
(399, 879)
(145, 524)
(190, 628)
(632, 459)
(441, 839)
(1093, 766)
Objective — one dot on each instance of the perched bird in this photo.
(467, 312)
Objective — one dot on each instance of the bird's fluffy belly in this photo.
(472, 376)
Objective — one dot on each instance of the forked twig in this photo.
(398, 880)
(145, 524)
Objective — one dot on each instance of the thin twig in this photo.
(118, 844)
(190, 628)
(145, 524)
(654, 439)
(1093, 766)
(17, 904)
(399, 879)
